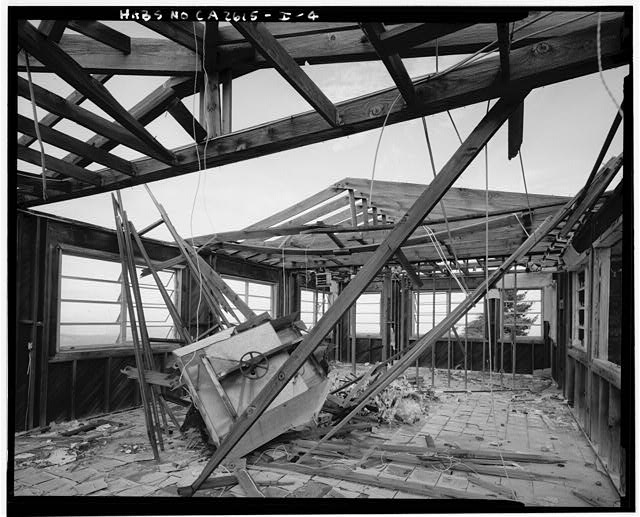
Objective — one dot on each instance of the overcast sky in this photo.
(564, 127)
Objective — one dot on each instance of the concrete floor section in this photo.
(115, 458)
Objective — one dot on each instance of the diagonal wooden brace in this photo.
(387, 249)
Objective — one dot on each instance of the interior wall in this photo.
(73, 385)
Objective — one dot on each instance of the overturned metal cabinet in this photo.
(225, 372)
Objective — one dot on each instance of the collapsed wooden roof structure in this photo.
(343, 225)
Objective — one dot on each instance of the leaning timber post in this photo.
(452, 170)
(433, 323)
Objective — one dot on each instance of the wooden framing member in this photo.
(51, 119)
(410, 270)
(187, 121)
(64, 108)
(66, 169)
(400, 37)
(557, 59)
(392, 62)
(423, 205)
(188, 34)
(102, 33)
(71, 144)
(265, 43)
(226, 79)
(33, 182)
(53, 56)
(516, 121)
(211, 113)
(53, 29)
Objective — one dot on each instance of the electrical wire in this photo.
(37, 128)
(524, 180)
(604, 83)
(486, 275)
(375, 156)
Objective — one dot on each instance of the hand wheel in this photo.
(254, 365)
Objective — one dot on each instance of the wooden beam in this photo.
(68, 143)
(423, 205)
(340, 46)
(335, 239)
(51, 119)
(53, 29)
(556, 60)
(398, 39)
(392, 62)
(212, 114)
(102, 33)
(264, 42)
(147, 110)
(226, 79)
(516, 121)
(33, 183)
(408, 267)
(66, 169)
(51, 55)
(187, 121)
(62, 108)
(188, 34)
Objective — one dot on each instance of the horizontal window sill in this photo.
(104, 352)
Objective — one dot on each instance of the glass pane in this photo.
(86, 336)
(259, 289)
(79, 312)
(90, 268)
(89, 290)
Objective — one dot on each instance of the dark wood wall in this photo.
(72, 385)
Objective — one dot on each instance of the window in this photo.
(313, 305)
(92, 311)
(368, 314)
(579, 327)
(431, 308)
(522, 308)
(259, 296)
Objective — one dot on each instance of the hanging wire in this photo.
(486, 276)
(375, 156)
(37, 128)
(604, 83)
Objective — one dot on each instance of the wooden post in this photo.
(514, 328)
(594, 428)
(569, 388)
(385, 311)
(604, 444)
(352, 320)
(614, 426)
(226, 78)
(433, 324)
(212, 113)
(579, 392)
(449, 336)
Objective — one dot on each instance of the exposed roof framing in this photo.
(534, 50)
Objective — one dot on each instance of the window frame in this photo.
(245, 295)
(118, 347)
(371, 335)
(326, 298)
(576, 308)
(448, 334)
(540, 323)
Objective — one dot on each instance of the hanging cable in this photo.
(604, 83)
(195, 195)
(442, 207)
(486, 279)
(375, 156)
(37, 128)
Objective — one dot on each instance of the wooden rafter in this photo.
(392, 62)
(265, 43)
(409, 35)
(66, 169)
(52, 29)
(147, 110)
(557, 59)
(186, 120)
(211, 117)
(34, 182)
(51, 119)
(342, 45)
(64, 109)
(51, 55)
(408, 267)
(71, 144)
(102, 33)
(516, 121)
